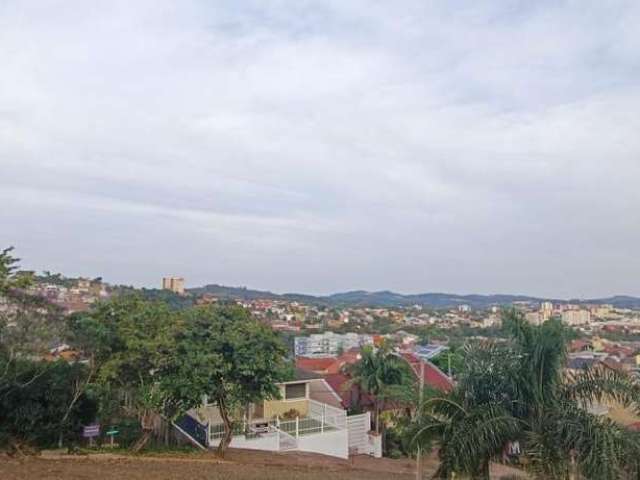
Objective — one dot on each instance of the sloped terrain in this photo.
(239, 465)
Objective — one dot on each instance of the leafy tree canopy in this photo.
(224, 354)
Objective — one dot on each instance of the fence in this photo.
(217, 430)
(358, 427)
(328, 415)
(321, 418)
(286, 441)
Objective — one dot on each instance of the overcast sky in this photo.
(321, 146)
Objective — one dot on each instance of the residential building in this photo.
(329, 344)
(175, 284)
(307, 418)
(546, 311)
(576, 317)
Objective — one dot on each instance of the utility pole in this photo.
(419, 414)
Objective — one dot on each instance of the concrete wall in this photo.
(268, 441)
(334, 443)
(279, 407)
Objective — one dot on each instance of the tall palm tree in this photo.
(379, 373)
(518, 390)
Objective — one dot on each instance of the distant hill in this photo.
(386, 298)
(620, 301)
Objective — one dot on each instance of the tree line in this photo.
(139, 362)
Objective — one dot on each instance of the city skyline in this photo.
(321, 147)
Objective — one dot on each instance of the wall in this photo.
(279, 407)
(335, 443)
(375, 443)
(266, 442)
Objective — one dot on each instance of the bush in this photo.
(35, 401)
(291, 414)
(393, 443)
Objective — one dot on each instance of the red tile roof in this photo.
(350, 394)
(319, 365)
(578, 345)
(329, 365)
(618, 350)
(433, 376)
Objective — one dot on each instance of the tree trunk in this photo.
(485, 473)
(142, 441)
(573, 467)
(228, 427)
(146, 422)
(482, 472)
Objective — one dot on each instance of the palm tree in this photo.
(380, 373)
(517, 390)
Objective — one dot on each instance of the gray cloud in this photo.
(321, 146)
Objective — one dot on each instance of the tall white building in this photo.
(546, 311)
(175, 284)
(546, 307)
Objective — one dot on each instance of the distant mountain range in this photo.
(361, 298)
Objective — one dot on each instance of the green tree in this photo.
(450, 361)
(517, 390)
(228, 356)
(29, 326)
(127, 341)
(382, 374)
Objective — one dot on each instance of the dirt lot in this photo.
(238, 465)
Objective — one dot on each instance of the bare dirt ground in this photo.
(238, 465)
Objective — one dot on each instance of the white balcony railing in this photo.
(320, 418)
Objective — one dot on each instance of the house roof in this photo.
(302, 374)
(578, 345)
(349, 394)
(314, 364)
(328, 365)
(619, 350)
(347, 358)
(338, 382)
(613, 363)
(433, 376)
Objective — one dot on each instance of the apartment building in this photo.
(329, 344)
(175, 284)
(576, 317)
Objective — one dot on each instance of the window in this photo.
(294, 391)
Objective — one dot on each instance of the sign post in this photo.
(90, 432)
(112, 432)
